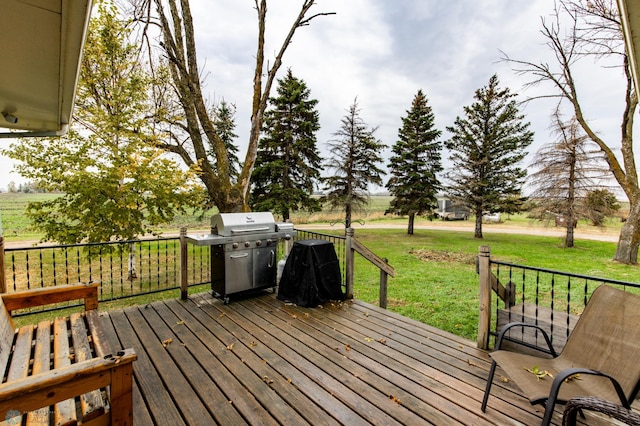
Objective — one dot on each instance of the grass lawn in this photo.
(436, 280)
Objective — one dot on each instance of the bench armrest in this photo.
(47, 388)
(49, 295)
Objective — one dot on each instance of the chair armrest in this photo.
(561, 377)
(50, 387)
(49, 295)
(592, 403)
(510, 325)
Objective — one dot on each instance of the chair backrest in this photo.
(7, 332)
(607, 337)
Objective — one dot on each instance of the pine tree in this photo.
(225, 124)
(486, 147)
(415, 163)
(287, 164)
(355, 152)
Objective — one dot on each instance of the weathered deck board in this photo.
(260, 361)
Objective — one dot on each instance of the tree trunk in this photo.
(627, 250)
(478, 230)
(568, 241)
(412, 218)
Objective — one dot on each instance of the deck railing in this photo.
(551, 299)
(124, 269)
(138, 267)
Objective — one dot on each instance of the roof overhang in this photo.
(630, 15)
(42, 43)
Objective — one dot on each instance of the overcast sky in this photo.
(382, 52)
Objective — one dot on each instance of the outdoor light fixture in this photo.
(10, 117)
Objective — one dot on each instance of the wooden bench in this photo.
(62, 371)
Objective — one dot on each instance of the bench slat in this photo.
(7, 332)
(65, 411)
(19, 363)
(100, 341)
(91, 403)
(41, 364)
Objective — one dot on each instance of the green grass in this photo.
(440, 287)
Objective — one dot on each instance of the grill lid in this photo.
(234, 224)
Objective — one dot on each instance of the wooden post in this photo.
(184, 283)
(3, 281)
(383, 286)
(350, 257)
(484, 317)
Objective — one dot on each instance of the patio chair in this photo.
(599, 359)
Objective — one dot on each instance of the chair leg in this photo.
(492, 372)
(548, 412)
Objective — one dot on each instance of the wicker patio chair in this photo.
(599, 359)
(592, 403)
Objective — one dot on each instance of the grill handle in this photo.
(245, 230)
(238, 256)
(272, 258)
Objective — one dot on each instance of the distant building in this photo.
(449, 210)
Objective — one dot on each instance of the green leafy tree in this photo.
(287, 164)
(355, 155)
(112, 185)
(415, 163)
(486, 147)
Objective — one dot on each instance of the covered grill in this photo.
(244, 251)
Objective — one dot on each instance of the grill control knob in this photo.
(269, 241)
(234, 245)
(247, 243)
(258, 243)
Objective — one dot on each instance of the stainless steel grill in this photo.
(244, 251)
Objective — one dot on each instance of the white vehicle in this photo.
(491, 217)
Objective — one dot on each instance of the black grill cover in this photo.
(311, 275)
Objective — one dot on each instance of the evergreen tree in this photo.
(224, 121)
(415, 163)
(355, 152)
(287, 164)
(486, 147)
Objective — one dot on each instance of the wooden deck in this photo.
(258, 361)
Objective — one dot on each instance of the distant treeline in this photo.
(27, 188)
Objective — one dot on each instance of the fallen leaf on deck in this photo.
(180, 323)
(230, 347)
(167, 342)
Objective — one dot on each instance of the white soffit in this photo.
(630, 15)
(40, 51)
